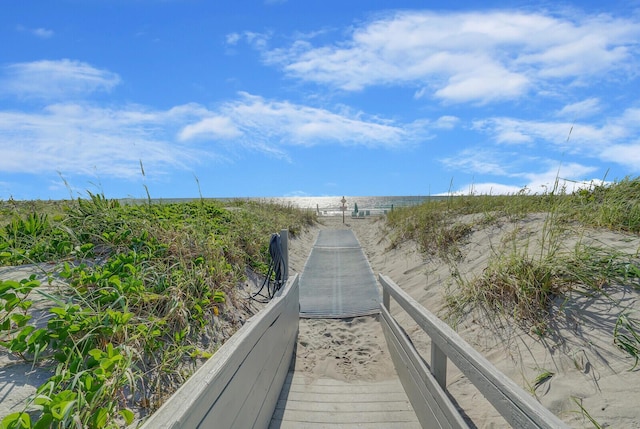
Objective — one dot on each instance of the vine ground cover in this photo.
(149, 290)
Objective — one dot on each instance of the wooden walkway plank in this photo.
(340, 404)
(337, 280)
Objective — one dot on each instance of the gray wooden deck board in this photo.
(326, 402)
(337, 280)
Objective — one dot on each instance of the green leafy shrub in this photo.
(147, 286)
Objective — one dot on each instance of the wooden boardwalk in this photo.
(252, 382)
(338, 282)
(330, 403)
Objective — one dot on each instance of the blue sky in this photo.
(314, 98)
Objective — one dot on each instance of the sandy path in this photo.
(343, 349)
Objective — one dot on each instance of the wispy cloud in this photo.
(481, 161)
(53, 80)
(40, 32)
(446, 122)
(581, 109)
(82, 139)
(254, 39)
(214, 127)
(623, 154)
(277, 124)
(568, 177)
(233, 38)
(476, 57)
(614, 139)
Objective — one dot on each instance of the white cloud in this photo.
(233, 38)
(468, 56)
(256, 40)
(568, 178)
(592, 140)
(591, 46)
(623, 154)
(42, 33)
(282, 123)
(477, 161)
(55, 79)
(581, 109)
(484, 84)
(214, 127)
(516, 131)
(81, 139)
(446, 122)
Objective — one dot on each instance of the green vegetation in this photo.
(544, 376)
(585, 413)
(626, 335)
(529, 270)
(148, 290)
(615, 206)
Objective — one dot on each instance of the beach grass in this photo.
(531, 269)
(150, 289)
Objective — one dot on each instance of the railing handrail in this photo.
(240, 384)
(517, 407)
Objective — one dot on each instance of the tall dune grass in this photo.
(151, 289)
(524, 278)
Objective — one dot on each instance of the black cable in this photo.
(277, 269)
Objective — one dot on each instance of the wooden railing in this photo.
(517, 407)
(239, 386)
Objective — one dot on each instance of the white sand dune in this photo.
(19, 380)
(589, 371)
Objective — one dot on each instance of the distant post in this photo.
(344, 207)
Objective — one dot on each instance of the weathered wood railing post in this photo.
(386, 299)
(439, 365)
(284, 244)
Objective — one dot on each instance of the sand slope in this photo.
(19, 380)
(589, 371)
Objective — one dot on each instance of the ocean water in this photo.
(332, 206)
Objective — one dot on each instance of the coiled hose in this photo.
(275, 276)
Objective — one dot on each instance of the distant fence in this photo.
(239, 386)
(424, 386)
(361, 213)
